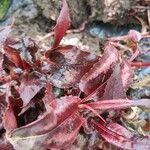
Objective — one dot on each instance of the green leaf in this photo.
(4, 6)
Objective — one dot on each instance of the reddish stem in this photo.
(139, 64)
(80, 29)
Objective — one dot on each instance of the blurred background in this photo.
(36, 17)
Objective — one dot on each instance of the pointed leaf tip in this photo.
(62, 25)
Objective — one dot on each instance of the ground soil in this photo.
(37, 17)
(105, 10)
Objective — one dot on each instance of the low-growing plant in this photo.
(49, 97)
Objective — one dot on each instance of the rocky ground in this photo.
(41, 14)
(37, 17)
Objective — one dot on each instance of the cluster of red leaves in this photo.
(32, 116)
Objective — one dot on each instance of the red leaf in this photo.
(71, 65)
(65, 106)
(110, 57)
(29, 134)
(63, 23)
(38, 134)
(21, 52)
(4, 143)
(65, 134)
(38, 127)
(3, 105)
(10, 122)
(121, 137)
(118, 139)
(114, 88)
(119, 130)
(12, 54)
(127, 74)
(28, 89)
(118, 104)
(49, 96)
(61, 136)
(96, 94)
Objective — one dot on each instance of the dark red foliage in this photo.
(99, 69)
(115, 89)
(60, 120)
(45, 98)
(28, 88)
(63, 23)
(21, 52)
(69, 66)
(117, 104)
(121, 137)
(127, 74)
